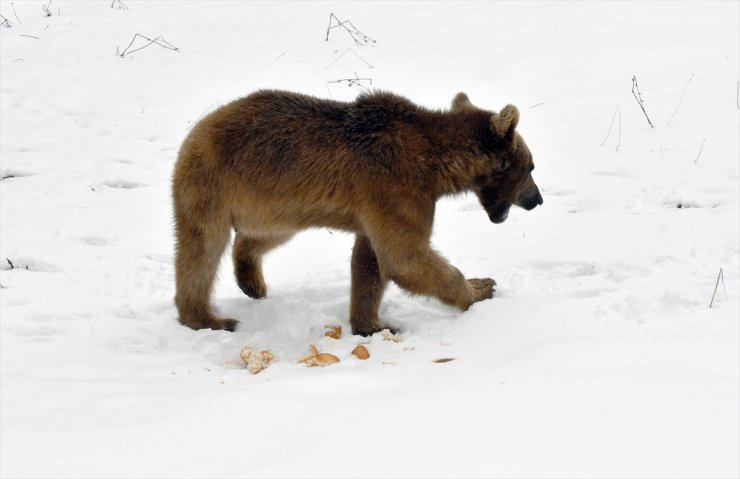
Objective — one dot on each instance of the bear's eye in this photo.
(504, 166)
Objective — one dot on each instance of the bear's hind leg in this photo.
(247, 253)
(368, 285)
(198, 251)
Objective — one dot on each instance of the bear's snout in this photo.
(530, 199)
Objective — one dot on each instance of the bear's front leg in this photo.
(429, 274)
(411, 263)
(368, 284)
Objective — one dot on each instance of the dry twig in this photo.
(610, 125)
(12, 266)
(157, 41)
(356, 81)
(200, 116)
(638, 97)
(681, 100)
(702, 147)
(343, 53)
(5, 22)
(720, 276)
(359, 37)
(16, 15)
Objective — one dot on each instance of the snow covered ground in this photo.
(598, 357)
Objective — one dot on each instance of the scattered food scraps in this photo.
(444, 360)
(361, 352)
(318, 359)
(255, 361)
(314, 353)
(333, 331)
(389, 336)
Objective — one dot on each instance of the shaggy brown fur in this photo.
(275, 163)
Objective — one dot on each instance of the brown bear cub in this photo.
(275, 163)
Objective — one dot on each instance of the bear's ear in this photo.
(461, 102)
(504, 123)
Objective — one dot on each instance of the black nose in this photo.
(530, 199)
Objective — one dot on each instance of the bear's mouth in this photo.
(499, 216)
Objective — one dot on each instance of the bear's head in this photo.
(507, 176)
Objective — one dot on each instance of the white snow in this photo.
(598, 357)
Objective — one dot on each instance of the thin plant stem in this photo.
(681, 100)
(702, 147)
(610, 125)
(638, 97)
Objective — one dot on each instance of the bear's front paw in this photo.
(483, 288)
(227, 325)
(368, 329)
